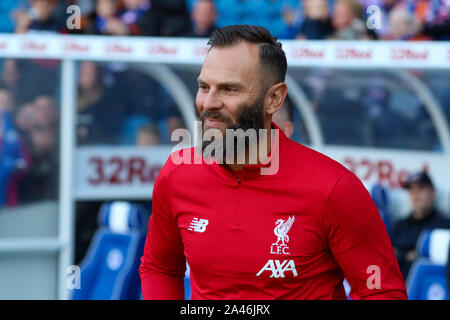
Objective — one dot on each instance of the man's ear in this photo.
(274, 98)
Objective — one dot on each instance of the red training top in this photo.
(292, 235)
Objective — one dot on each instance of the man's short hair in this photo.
(271, 55)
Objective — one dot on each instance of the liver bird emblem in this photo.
(281, 230)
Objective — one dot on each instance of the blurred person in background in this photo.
(174, 121)
(383, 120)
(424, 215)
(317, 22)
(106, 20)
(348, 21)
(38, 121)
(148, 135)
(166, 18)
(385, 6)
(10, 76)
(133, 11)
(14, 159)
(403, 25)
(40, 18)
(203, 18)
(100, 112)
(46, 112)
(437, 24)
(24, 118)
(34, 77)
(292, 18)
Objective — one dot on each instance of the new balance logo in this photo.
(198, 225)
(278, 268)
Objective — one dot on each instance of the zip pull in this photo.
(239, 180)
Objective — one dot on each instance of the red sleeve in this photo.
(163, 264)
(360, 243)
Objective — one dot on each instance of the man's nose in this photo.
(212, 101)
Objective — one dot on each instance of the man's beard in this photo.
(249, 116)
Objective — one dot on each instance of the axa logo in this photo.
(198, 225)
(281, 231)
(278, 268)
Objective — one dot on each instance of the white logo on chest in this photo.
(198, 225)
(281, 230)
(278, 268)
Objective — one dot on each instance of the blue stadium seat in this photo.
(109, 270)
(427, 277)
(380, 198)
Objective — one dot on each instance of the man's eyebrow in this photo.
(231, 84)
(223, 84)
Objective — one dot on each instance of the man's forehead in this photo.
(237, 61)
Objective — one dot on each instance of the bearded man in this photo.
(293, 232)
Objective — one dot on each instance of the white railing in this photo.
(348, 54)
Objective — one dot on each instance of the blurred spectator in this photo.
(46, 113)
(25, 118)
(10, 77)
(14, 159)
(147, 101)
(438, 31)
(292, 18)
(437, 24)
(424, 216)
(167, 18)
(174, 121)
(40, 18)
(203, 18)
(317, 22)
(384, 123)
(87, 7)
(132, 12)
(384, 6)
(148, 135)
(95, 100)
(38, 122)
(27, 81)
(348, 21)
(106, 20)
(403, 25)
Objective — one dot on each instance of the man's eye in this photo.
(230, 89)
